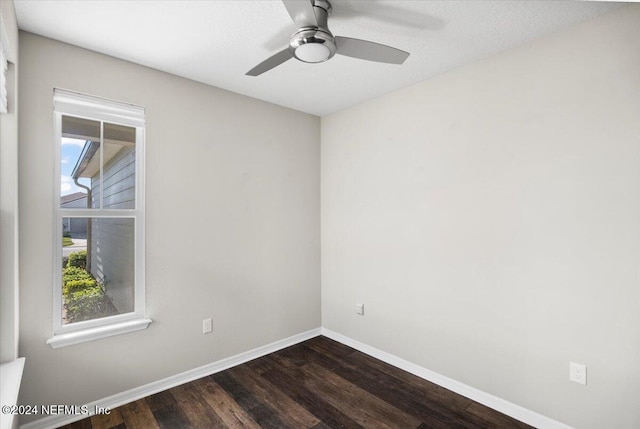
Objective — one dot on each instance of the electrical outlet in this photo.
(360, 309)
(206, 326)
(578, 373)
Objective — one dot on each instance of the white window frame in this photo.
(67, 103)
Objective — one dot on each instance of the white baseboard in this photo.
(134, 394)
(516, 411)
(505, 407)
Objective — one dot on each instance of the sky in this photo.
(71, 149)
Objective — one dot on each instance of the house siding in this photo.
(112, 259)
(76, 226)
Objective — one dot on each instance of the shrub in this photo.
(70, 274)
(82, 295)
(87, 303)
(73, 286)
(75, 273)
(77, 259)
(66, 234)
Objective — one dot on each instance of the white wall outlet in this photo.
(206, 326)
(360, 309)
(578, 373)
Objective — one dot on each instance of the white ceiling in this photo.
(217, 42)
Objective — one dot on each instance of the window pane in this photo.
(119, 167)
(98, 268)
(79, 160)
(84, 164)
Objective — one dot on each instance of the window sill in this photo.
(11, 375)
(77, 337)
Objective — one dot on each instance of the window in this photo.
(99, 219)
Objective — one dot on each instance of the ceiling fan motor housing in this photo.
(314, 44)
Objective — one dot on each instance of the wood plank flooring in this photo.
(317, 384)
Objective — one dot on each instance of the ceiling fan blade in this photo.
(301, 11)
(271, 62)
(365, 50)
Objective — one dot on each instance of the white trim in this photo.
(76, 104)
(139, 225)
(90, 334)
(101, 172)
(134, 394)
(56, 281)
(10, 377)
(96, 323)
(505, 407)
(96, 212)
(513, 410)
(68, 103)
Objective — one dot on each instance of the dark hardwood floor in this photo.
(316, 384)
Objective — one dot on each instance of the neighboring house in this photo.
(76, 227)
(110, 258)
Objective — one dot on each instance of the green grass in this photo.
(66, 241)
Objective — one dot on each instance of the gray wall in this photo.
(232, 225)
(489, 220)
(9, 194)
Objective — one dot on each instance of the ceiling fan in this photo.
(314, 43)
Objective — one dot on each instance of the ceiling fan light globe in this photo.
(312, 52)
